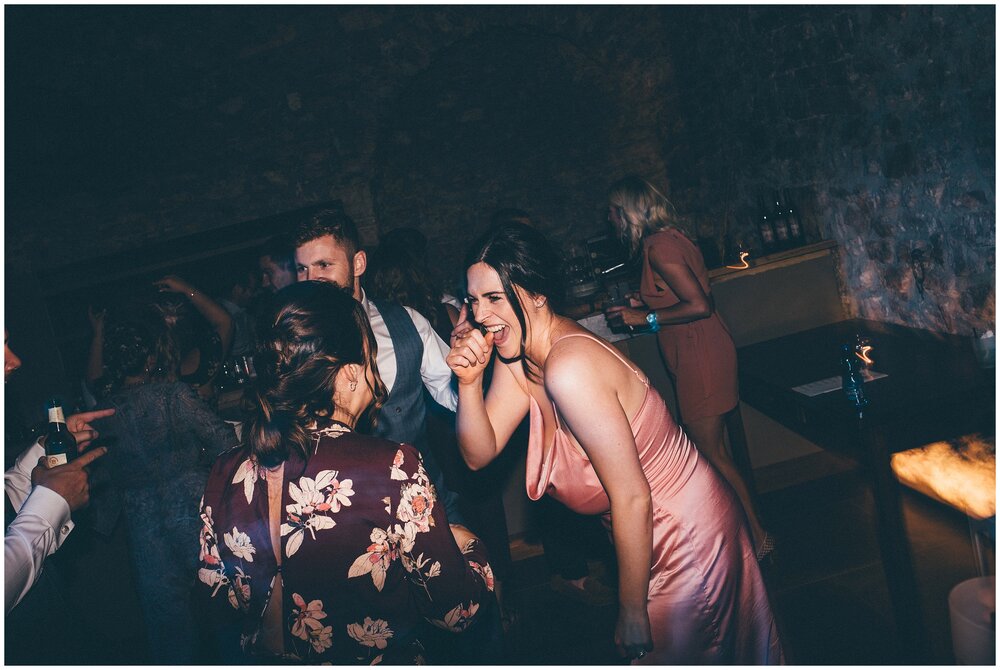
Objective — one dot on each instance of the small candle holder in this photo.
(862, 351)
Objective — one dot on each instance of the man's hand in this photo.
(79, 426)
(71, 480)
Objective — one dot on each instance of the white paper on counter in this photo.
(833, 384)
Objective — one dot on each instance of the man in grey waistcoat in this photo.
(411, 356)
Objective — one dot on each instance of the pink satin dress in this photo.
(707, 603)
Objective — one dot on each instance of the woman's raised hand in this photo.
(96, 317)
(470, 349)
(173, 284)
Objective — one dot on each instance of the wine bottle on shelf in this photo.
(795, 235)
(60, 445)
(765, 229)
(780, 224)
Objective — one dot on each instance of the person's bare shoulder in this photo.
(578, 363)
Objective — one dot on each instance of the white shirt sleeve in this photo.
(40, 527)
(17, 480)
(42, 523)
(434, 368)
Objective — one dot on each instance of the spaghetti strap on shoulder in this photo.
(642, 377)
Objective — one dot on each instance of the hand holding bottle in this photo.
(71, 480)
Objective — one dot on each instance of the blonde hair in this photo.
(642, 210)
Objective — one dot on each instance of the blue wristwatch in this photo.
(654, 325)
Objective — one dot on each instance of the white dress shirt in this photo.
(434, 369)
(42, 524)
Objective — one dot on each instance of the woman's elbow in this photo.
(475, 464)
(701, 310)
(636, 498)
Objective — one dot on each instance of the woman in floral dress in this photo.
(319, 544)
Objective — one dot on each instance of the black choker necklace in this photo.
(508, 361)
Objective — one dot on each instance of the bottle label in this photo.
(56, 415)
(55, 459)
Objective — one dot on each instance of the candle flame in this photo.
(862, 353)
(743, 260)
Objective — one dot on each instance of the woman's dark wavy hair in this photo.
(309, 331)
(400, 277)
(522, 256)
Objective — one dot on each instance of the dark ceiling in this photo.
(93, 92)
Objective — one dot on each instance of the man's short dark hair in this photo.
(280, 250)
(328, 220)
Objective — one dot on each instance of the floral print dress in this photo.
(366, 553)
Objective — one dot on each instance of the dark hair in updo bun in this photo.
(309, 331)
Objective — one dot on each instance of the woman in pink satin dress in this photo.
(602, 442)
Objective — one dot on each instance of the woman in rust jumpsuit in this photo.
(696, 345)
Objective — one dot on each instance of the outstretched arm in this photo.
(214, 313)
(694, 303)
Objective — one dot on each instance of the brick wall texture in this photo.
(129, 127)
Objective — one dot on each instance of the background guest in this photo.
(276, 261)
(201, 349)
(165, 438)
(696, 345)
(400, 273)
(240, 290)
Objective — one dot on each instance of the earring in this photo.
(353, 386)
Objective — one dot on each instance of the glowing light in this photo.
(743, 260)
(862, 353)
(960, 472)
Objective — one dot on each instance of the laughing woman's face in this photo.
(491, 308)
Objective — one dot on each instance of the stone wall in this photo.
(200, 118)
(129, 127)
(880, 121)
